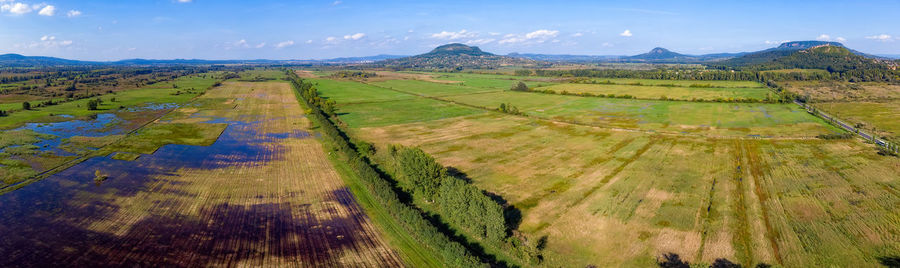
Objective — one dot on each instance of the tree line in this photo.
(452, 252)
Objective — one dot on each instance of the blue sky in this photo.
(226, 29)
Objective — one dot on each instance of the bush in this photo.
(520, 86)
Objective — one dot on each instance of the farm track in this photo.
(263, 195)
(666, 133)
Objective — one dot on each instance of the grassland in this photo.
(656, 92)
(263, 194)
(606, 197)
(495, 81)
(878, 116)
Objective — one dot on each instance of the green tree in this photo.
(520, 86)
(26, 106)
(420, 171)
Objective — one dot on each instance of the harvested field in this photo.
(263, 194)
(607, 205)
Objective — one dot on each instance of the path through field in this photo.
(264, 194)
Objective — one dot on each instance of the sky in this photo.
(269, 29)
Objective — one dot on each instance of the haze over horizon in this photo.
(203, 29)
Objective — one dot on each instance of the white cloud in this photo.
(606, 44)
(73, 13)
(355, 36)
(445, 35)
(538, 36)
(775, 42)
(49, 41)
(15, 8)
(47, 11)
(577, 34)
(284, 44)
(309, 41)
(241, 43)
(338, 2)
(541, 34)
(626, 33)
(823, 37)
(840, 39)
(881, 37)
(184, 1)
(260, 45)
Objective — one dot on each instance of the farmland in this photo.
(669, 92)
(233, 178)
(618, 182)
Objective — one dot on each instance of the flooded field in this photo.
(37, 147)
(262, 194)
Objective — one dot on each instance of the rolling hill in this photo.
(456, 56)
(831, 56)
(16, 60)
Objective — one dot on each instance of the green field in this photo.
(492, 80)
(352, 92)
(432, 89)
(656, 92)
(400, 112)
(672, 116)
(607, 197)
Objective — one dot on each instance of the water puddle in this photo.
(101, 125)
(45, 222)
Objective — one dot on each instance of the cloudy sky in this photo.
(230, 29)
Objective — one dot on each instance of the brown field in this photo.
(384, 76)
(629, 197)
(264, 194)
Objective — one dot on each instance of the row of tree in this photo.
(460, 203)
(661, 74)
(453, 253)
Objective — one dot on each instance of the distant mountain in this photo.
(454, 56)
(659, 53)
(16, 60)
